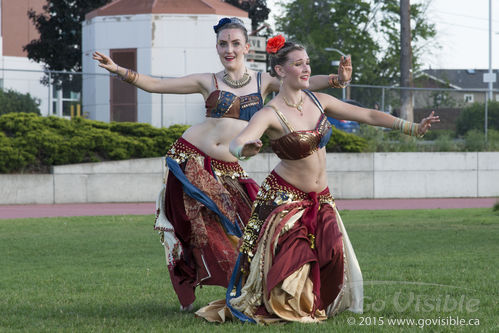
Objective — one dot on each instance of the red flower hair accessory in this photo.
(274, 44)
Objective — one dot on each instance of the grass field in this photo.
(105, 274)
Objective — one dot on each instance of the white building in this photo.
(21, 74)
(17, 72)
(165, 38)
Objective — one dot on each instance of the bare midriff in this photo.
(214, 135)
(307, 174)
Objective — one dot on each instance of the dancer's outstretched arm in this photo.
(189, 84)
(341, 110)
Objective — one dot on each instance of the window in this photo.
(497, 97)
(469, 98)
(65, 102)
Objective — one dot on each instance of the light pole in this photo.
(489, 77)
(337, 63)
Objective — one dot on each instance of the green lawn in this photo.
(94, 274)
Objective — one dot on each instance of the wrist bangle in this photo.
(335, 82)
(130, 76)
(237, 154)
(407, 127)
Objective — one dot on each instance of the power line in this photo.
(462, 26)
(467, 16)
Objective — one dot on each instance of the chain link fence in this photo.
(64, 96)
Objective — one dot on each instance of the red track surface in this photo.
(96, 209)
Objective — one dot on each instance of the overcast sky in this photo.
(462, 31)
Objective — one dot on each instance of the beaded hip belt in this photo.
(276, 189)
(183, 150)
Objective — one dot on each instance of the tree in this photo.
(387, 25)
(368, 31)
(308, 22)
(257, 10)
(406, 108)
(59, 45)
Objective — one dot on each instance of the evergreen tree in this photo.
(59, 45)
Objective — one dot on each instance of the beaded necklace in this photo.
(236, 83)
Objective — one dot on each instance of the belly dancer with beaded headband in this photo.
(296, 262)
(207, 197)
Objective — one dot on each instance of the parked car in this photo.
(346, 125)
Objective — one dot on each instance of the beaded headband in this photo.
(226, 20)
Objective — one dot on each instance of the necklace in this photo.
(236, 83)
(298, 106)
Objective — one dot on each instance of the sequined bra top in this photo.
(296, 145)
(224, 104)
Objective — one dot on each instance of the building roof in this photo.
(461, 78)
(131, 7)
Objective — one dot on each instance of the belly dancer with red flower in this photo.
(296, 262)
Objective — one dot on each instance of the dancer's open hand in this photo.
(345, 69)
(425, 124)
(105, 62)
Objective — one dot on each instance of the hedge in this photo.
(14, 102)
(473, 117)
(346, 142)
(31, 143)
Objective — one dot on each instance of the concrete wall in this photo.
(351, 176)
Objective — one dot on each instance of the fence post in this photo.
(383, 99)
(162, 123)
(50, 95)
(486, 116)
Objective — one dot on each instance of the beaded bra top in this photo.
(296, 145)
(224, 104)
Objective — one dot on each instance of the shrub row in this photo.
(473, 118)
(31, 143)
(12, 101)
(380, 140)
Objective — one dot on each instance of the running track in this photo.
(100, 209)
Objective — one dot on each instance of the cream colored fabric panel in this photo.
(293, 299)
(352, 295)
(215, 312)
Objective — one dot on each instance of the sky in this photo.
(462, 33)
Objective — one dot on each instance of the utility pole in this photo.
(406, 108)
(492, 77)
